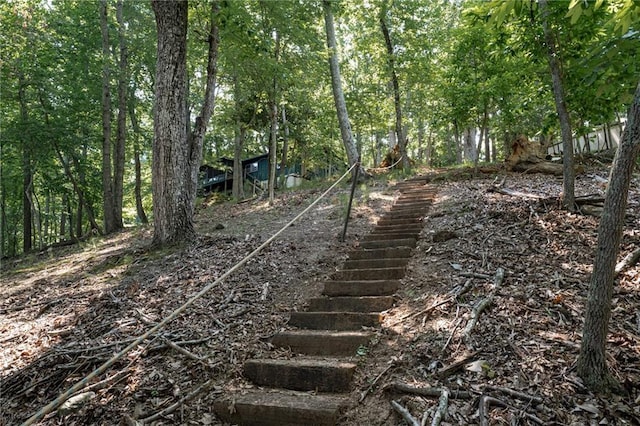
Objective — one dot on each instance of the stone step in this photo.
(382, 253)
(280, 408)
(404, 242)
(321, 342)
(390, 262)
(339, 321)
(360, 288)
(304, 374)
(394, 273)
(350, 304)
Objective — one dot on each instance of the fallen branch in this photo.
(412, 421)
(487, 401)
(366, 391)
(181, 350)
(170, 409)
(629, 260)
(428, 392)
(104, 383)
(441, 412)
(448, 370)
(519, 395)
(484, 303)
(422, 312)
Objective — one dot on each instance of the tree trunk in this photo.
(273, 146)
(27, 174)
(285, 149)
(336, 85)
(568, 199)
(142, 215)
(107, 184)
(592, 362)
(177, 154)
(237, 190)
(402, 140)
(119, 149)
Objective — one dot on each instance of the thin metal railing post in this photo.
(353, 190)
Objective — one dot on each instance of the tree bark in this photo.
(336, 85)
(592, 362)
(568, 199)
(119, 149)
(285, 149)
(107, 184)
(402, 139)
(142, 215)
(177, 154)
(27, 174)
(273, 146)
(172, 217)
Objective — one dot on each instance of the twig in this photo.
(366, 392)
(486, 401)
(446, 371)
(170, 409)
(455, 327)
(519, 395)
(429, 392)
(181, 350)
(475, 275)
(422, 312)
(475, 314)
(106, 382)
(441, 412)
(412, 421)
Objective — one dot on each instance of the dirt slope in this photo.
(62, 313)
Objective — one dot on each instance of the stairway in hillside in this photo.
(312, 387)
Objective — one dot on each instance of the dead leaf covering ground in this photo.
(63, 313)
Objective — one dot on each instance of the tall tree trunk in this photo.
(27, 174)
(485, 130)
(107, 183)
(142, 215)
(402, 139)
(592, 362)
(177, 154)
(119, 149)
(568, 199)
(273, 146)
(237, 190)
(285, 149)
(336, 85)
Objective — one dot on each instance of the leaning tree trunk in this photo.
(592, 362)
(569, 174)
(402, 137)
(336, 85)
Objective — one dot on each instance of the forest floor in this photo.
(65, 311)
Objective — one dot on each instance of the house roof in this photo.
(229, 161)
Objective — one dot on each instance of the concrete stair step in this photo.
(304, 374)
(382, 253)
(360, 288)
(280, 408)
(403, 242)
(405, 214)
(350, 304)
(369, 274)
(389, 262)
(388, 236)
(339, 321)
(321, 342)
